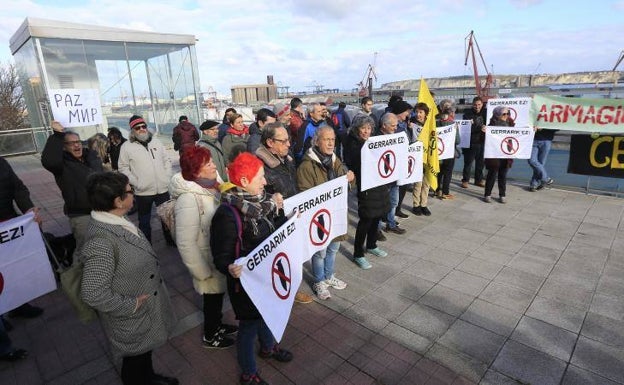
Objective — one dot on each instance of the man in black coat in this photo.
(475, 152)
(71, 164)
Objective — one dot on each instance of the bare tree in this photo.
(12, 105)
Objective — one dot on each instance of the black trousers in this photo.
(402, 192)
(144, 204)
(367, 229)
(137, 370)
(499, 173)
(473, 154)
(213, 313)
(445, 175)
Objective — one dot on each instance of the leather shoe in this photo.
(425, 211)
(464, 184)
(158, 379)
(381, 237)
(396, 229)
(400, 214)
(417, 210)
(480, 183)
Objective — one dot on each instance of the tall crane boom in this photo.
(482, 90)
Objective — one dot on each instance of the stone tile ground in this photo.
(525, 292)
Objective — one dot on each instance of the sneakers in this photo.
(381, 237)
(320, 288)
(464, 184)
(502, 200)
(254, 379)
(549, 181)
(362, 262)
(218, 341)
(302, 297)
(396, 229)
(417, 210)
(400, 214)
(480, 183)
(336, 283)
(532, 189)
(227, 330)
(278, 354)
(425, 211)
(487, 199)
(377, 252)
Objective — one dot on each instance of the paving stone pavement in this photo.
(528, 292)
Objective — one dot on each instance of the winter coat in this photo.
(223, 239)
(192, 229)
(111, 285)
(12, 189)
(311, 173)
(296, 121)
(234, 145)
(113, 153)
(255, 134)
(374, 202)
(478, 121)
(280, 174)
(70, 173)
(147, 166)
(216, 154)
(184, 134)
(304, 137)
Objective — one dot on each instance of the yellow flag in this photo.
(429, 137)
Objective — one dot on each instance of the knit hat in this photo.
(208, 124)
(280, 109)
(136, 119)
(400, 107)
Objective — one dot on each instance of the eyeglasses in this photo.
(131, 191)
(139, 127)
(282, 141)
(73, 142)
(505, 113)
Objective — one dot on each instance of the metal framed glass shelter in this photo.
(145, 73)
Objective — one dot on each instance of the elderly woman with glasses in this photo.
(497, 168)
(122, 281)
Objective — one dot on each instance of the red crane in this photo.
(366, 85)
(482, 90)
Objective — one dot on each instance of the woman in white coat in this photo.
(197, 198)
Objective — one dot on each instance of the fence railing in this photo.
(23, 141)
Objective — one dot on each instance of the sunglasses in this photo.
(139, 127)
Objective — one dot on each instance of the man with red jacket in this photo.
(184, 134)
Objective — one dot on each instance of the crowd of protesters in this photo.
(229, 198)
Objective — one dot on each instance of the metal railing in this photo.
(23, 141)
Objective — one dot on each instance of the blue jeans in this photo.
(394, 201)
(323, 262)
(539, 153)
(245, 341)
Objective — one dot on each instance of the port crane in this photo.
(617, 63)
(366, 84)
(482, 90)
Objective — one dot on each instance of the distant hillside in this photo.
(503, 81)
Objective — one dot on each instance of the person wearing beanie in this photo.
(184, 134)
(144, 161)
(248, 210)
(282, 113)
(210, 140)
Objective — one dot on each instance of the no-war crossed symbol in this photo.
(320, 227)
(386, 164)
(281, 276)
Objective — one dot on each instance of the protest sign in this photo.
(518, 110)
(508, 142)
(414, 164)
(384, 160)
(74, 107)
(446, 141)
(464, 127)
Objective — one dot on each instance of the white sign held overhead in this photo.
(74, 107)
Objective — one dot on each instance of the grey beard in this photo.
(143, 137)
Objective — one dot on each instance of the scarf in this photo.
(234, 131)
(206, 183)
(252, 207)
(112, 219)
(327, 161)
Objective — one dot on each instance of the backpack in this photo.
(336, 118)
(166, 213)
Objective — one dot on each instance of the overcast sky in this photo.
(332, 42)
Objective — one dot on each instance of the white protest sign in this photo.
(25, 272)
(508, 142)
(74, 107)
(414, 164)
(446, 141)
(272, 274)
(518, 109)
(465, 127)
(323, 210)
(384, 160)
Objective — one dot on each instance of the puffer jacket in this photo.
(194, 209)
(184, 135)
(147, 166)
(374, 202)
